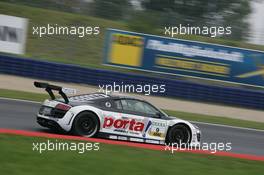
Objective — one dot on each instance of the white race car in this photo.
(113, 117)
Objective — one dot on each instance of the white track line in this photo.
(20, 100)
(212, 124)
(227, 126)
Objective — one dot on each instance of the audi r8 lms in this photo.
(113, 117)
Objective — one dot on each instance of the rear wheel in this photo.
(179, 134)
(86, 124)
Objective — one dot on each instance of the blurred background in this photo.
(148, 16)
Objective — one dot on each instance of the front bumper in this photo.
(196, 137)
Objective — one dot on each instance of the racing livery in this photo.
(113, 117)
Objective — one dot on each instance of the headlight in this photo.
(197, 129)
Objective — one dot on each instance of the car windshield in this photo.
(138, 106)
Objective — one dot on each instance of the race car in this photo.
(113, 117)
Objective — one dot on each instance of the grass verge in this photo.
(183, 115)
(23, 95)
(17, 157)
(216, 119)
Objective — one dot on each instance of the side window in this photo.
(139, 106)
(150, 109)
(127, 105)
(118, 104)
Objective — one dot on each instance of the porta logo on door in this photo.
(129, 124)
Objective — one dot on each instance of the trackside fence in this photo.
(174, 88)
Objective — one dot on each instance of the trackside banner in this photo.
(13, 32)
(184, 58)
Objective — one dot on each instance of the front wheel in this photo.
(86, 124)
(179, 134)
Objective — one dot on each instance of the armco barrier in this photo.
(174, 88)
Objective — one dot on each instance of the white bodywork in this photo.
(124, 126)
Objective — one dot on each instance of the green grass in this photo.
(183, 115)
(17, 157)
(23, 95)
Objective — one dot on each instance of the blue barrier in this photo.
(174, 88)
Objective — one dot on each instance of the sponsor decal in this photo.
(123, 124)
(126, 46)
(112, 137)
(121, 138)
(157, 133)
(136, 139)
(152, 141)
(157, 129)
(162, 142)
(159, 124)
(146, 129)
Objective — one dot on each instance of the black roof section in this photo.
(96, 96)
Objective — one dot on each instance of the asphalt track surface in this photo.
(20, 115)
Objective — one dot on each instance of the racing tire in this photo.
(86, 124)
(179, 134)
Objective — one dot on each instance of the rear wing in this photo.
(49, 88)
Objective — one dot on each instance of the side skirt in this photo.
(129, 138)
